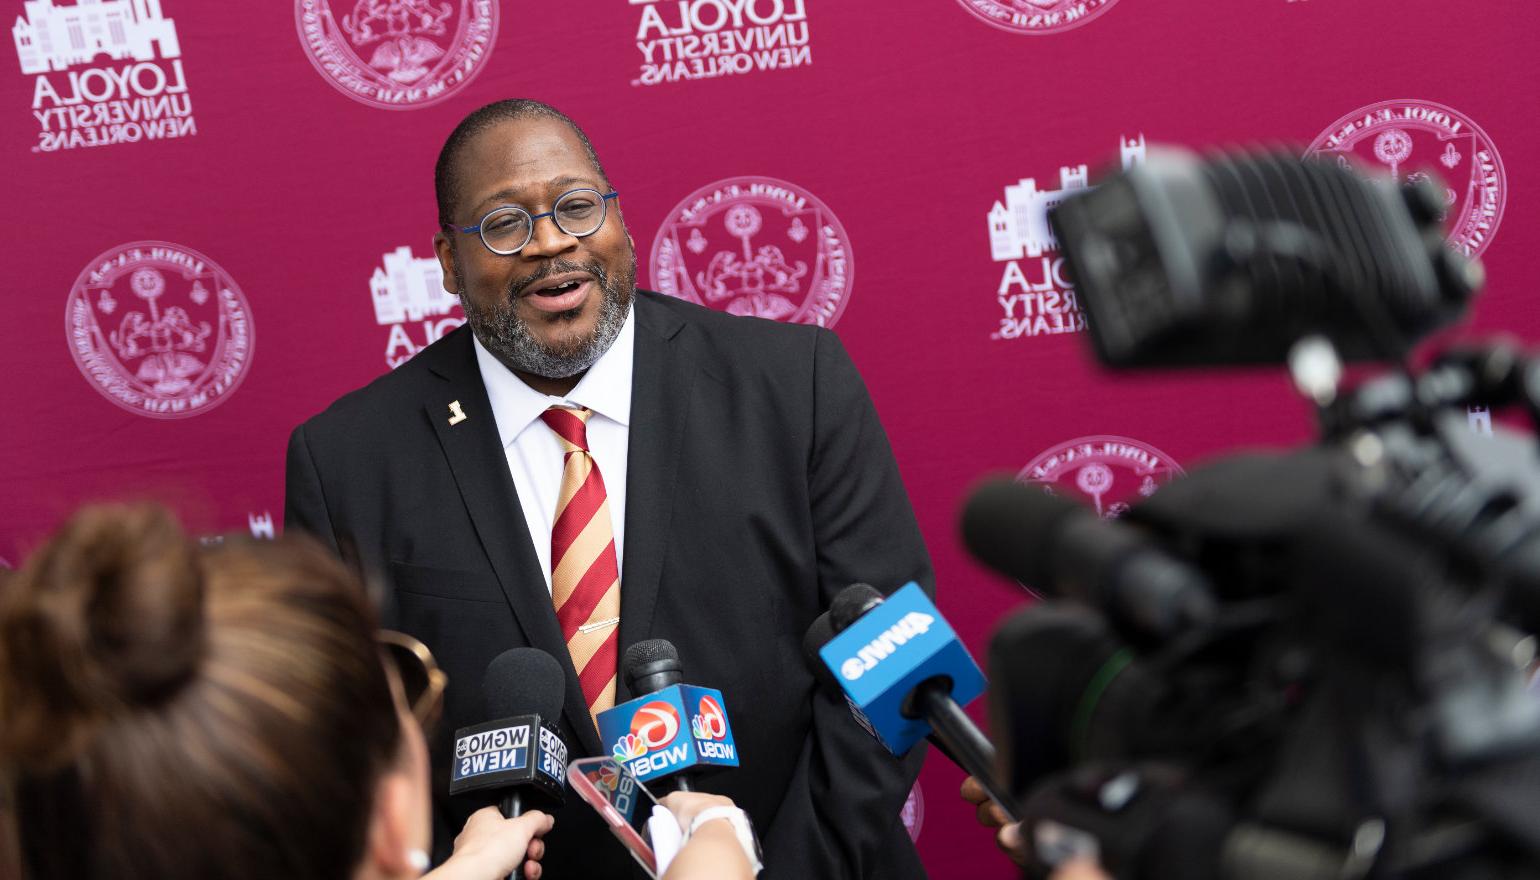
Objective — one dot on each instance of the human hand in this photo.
(1008, 836)
(686, 805)
(1078, 869)
(989, 813)
(493, 847)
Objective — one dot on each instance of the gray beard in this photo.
(508, 337)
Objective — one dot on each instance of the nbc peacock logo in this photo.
(710, 722)
(653, 726)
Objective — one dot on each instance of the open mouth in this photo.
(558, 290)
(566, 293)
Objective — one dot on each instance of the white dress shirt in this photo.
(535, 457)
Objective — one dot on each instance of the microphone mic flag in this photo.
(673, 727)
(889, 650)
(518, 754)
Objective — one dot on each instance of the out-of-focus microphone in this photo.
(518, 754)
(1065, 550)
(672, 729)
(907, 676)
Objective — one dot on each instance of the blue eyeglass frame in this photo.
(535, 218)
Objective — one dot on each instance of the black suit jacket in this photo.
(760, 484)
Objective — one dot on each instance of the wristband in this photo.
(742, 829)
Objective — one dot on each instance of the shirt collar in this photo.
(605, 388)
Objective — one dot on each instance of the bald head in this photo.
(447, 174)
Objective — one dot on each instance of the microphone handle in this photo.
(512, 804)
(512, 807)
(682, 783)
(943, 749)
(962, 741)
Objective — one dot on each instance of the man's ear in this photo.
(390, 826)
(443, 248)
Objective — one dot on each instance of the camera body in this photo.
(1353, 699)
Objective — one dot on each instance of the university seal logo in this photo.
(913, 812)
(1037, 16)
(397, 54)
(1417, 139)
(159, 329)
(756, 246)
(1107, 472)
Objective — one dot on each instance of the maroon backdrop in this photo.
(230, 208)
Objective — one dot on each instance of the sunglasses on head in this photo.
(422, 682)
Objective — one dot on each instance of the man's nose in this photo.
(547, 239)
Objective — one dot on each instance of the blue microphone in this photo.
(673, 729)
(907, 677)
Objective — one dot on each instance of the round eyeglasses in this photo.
(578, 212)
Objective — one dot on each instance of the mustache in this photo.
(559, 267)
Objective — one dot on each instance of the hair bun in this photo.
(108, 616)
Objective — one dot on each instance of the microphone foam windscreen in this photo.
(649, 651)
(852, 602)
(1010, 527)
(650, 665)
(523, 681)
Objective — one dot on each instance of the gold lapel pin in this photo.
(456, 415)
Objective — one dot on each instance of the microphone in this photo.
(851, 603)
(517, 755)
(673, 729)
(907, 676)
(823, 629)
(1065, 550)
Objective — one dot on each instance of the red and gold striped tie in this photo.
(585, 577)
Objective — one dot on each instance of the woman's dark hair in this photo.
(170, 710)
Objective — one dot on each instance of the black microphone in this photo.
(668, 728)
(1063, 549)
(650, 666)
(852, 602)
(952, 731)
(518, 754)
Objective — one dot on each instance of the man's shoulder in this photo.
(388, 397)
(730, 333)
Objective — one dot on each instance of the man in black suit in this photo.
(754, 478)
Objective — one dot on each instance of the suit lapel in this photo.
(662, 377)
(480, 468)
